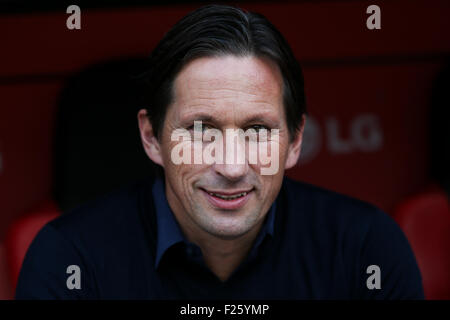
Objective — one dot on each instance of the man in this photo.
(215, 226)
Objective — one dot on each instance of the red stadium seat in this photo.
(22, 232)
(425, 219)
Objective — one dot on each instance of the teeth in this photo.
(228, 197)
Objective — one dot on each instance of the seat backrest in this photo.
(425, 220)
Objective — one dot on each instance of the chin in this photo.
(227, 234)
(228, 227)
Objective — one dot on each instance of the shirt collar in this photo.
(169, 232)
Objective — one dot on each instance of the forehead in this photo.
(228, 81)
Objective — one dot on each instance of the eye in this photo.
(259, 127)
(204, 127)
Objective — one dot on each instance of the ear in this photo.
(149, 141)
(295, 146)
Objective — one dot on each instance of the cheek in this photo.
(182, 175)
(270, 188)
(275, 151)
(283, 149)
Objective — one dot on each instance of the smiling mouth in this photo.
(228, 195)
(228, 199)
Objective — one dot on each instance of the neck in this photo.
(223, 256)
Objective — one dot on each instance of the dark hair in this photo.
(218, 30)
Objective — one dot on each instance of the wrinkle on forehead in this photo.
(255, 80)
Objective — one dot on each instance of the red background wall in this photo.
(368, 91)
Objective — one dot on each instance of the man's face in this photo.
(224, 200)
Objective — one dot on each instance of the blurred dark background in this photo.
(377, 128)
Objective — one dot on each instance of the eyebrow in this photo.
(260, 119)
(199, 117)
(208, 118)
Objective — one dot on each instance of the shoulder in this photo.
(105, 238)
(107, 225)
(327, 207)
(337, 220)
(107, 213)
(357, 234)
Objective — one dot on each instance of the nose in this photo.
(235, 165)
(232, 172)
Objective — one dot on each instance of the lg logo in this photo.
(363, 134)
